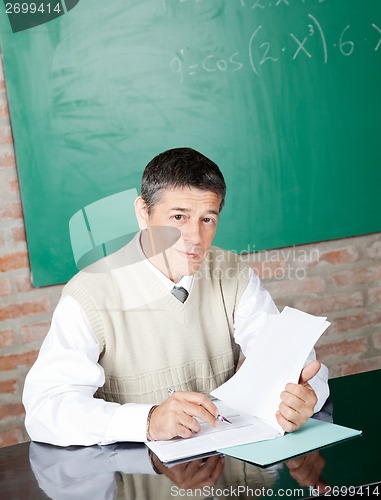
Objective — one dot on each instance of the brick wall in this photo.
(25, 312)
(340, 279)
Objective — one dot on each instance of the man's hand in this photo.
(194, 474)
(298, 400)
(175, 417)
(307, 470)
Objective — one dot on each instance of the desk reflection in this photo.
(125, 471)
(130, 470)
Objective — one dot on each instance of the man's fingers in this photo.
(296, 462)
(196, 405)
(211, 463)
(298, 400)
(215, 470)
(201, 400)
(198, 473)
(200, 412)
(307, 472)
(177, 415)
(296, 407)
(181, 431)
(286, 425)
(309, 371)
(289, 413)
(300, 397)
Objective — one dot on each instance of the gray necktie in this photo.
(180, 293)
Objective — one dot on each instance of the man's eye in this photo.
(178, 217)
(208, 220)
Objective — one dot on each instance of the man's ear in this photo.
(141, 212)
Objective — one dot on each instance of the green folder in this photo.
(314, 434)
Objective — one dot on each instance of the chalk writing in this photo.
(246, 4)
(301, 48)
(379, 41)
(262, 4)
(209, 64)
(262, 52)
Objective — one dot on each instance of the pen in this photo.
(219, 417)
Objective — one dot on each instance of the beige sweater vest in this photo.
(149, 341)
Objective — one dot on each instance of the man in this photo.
(122, 331)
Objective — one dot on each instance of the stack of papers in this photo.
(276, 357)
(251, 397)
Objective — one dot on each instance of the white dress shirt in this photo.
(59, 388)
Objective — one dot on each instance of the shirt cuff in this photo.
(128, 423)
(129, 459)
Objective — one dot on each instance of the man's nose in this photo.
(191, 233)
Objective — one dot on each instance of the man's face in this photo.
(194, 212)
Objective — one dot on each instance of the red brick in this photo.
(5, 287)
(11, 437)
(23, 283)
(7, 159)
(362, 365)
(374, 295)
(6, 134)
(267, 270)
(12, 361)
(356, 276)
(344, 348)
(11, 210)
(8, 386)
(11, 410)
(339, 256)
(16, 260)
(18, 234)
(4, 110)
(13, 186)
(356, 321)
(37, 306)
(374, 251)
(6, 338)
(291, 287)
(329, 303)
(34, 332)
(377, 340)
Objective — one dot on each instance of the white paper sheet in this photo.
(243, 429)
(276, 356)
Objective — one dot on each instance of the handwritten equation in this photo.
(262, 52)
(246, 4)
(261, 4)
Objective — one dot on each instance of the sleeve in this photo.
(59, 389)
(252, 311)
(255, 304)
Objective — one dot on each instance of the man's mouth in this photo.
(190, 255)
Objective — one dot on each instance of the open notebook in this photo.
(253, 440)
(243, 429)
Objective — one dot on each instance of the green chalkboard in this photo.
(283, 94)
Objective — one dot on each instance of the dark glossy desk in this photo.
(37, 471)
